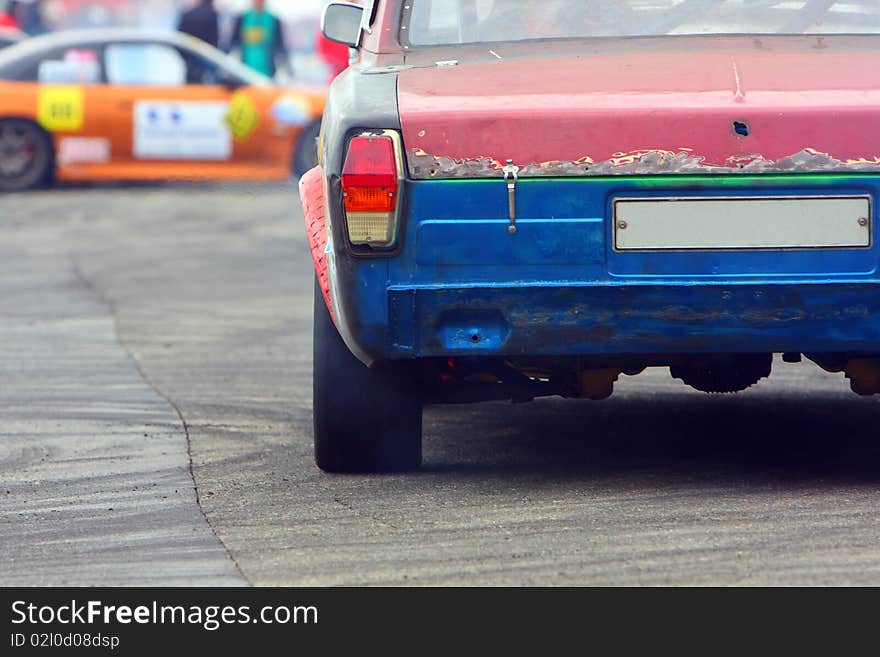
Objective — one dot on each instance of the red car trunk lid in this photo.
(714, 111)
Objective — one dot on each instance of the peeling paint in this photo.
(423, 165)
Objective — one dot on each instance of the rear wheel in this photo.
(25, 155)
(367, 419)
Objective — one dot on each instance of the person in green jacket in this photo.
(259, 37)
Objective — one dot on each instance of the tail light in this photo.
(371, 184)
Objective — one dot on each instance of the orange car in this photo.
(117, 104)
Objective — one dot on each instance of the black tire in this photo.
(305, 156)
(367, 419)
(26, 155)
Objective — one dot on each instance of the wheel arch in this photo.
(311, 192)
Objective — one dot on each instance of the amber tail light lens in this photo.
(370, 190)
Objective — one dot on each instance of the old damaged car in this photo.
(132, 104)
(521, 198)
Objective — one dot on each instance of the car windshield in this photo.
(442, 22)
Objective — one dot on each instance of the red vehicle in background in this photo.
(8, 22)
(334, 55)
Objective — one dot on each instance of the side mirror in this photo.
(341, 22)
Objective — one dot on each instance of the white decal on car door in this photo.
(168, 130)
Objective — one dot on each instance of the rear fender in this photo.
(311, 192)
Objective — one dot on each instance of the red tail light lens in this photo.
(369, 177)
(370, 183)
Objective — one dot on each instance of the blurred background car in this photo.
(10, 35)
(133, 104)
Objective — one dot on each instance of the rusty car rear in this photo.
(637, 184)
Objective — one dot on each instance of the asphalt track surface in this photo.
(155, 355)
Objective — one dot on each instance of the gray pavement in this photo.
(96, 485)
(133, 310)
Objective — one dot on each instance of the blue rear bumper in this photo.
(462, 285)
(634, 319)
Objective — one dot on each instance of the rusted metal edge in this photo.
(423, 165)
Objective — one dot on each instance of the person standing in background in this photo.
(258, 35)
(29, 16)
(202, 22)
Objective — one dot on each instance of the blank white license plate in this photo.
(743, 223)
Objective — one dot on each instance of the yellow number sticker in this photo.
(243, 116)
(61, 109)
